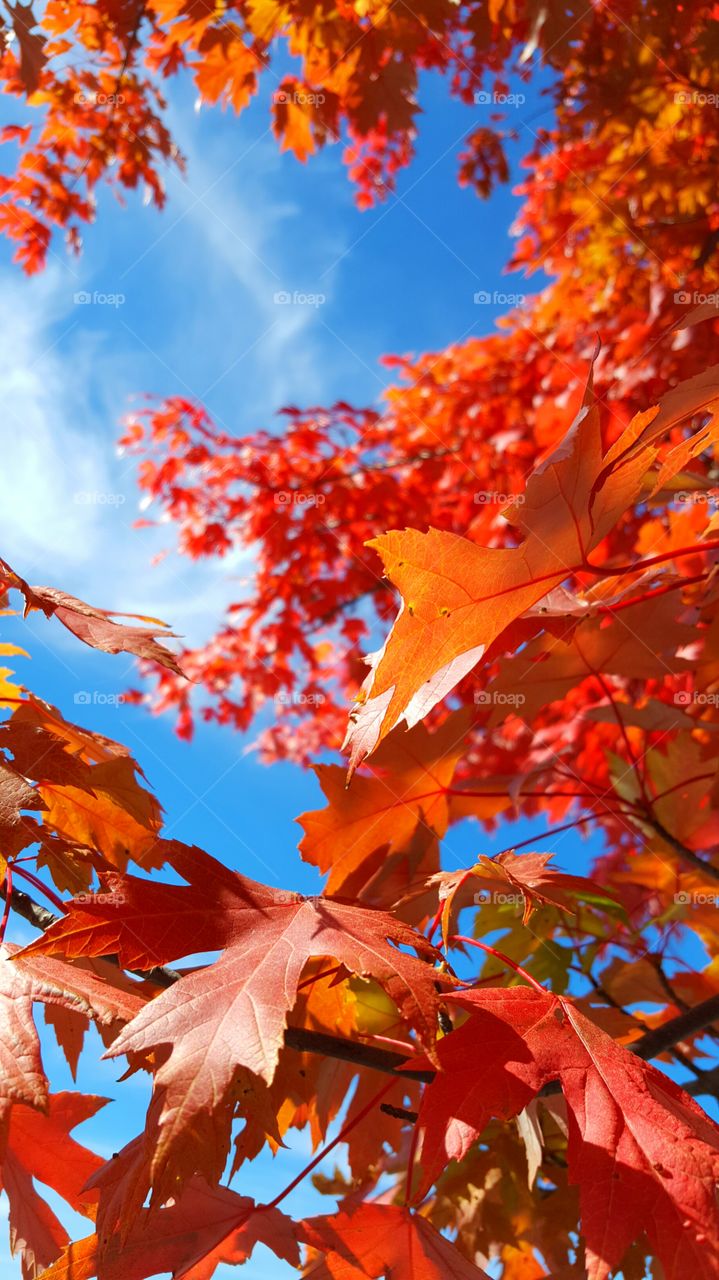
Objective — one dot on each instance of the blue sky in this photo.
(199, 318)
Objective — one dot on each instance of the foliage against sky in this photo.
(540, 505)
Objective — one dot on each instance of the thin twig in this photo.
(683, 850)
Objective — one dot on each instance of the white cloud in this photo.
(235, 233)
(67, 500)
(200, 319)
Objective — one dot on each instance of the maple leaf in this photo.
(22, 1078)
(70, 1028)
(38, 1146)
(10, 693)
(95, 810)
(92, 987)
(377, 1240)
(54, 984)
(364, 825)
(205, 1227)
(293, 120)
(527, 874)
(677, 772)
(550, 666)
(50, 748)
(228, 69)
(460, 599)
(111, 813)
(32, 45)
(39, 753)
(110, 999)
(644, 1155)
(233, 1013)
(309, 1090)
(94, 627)
(16, 794)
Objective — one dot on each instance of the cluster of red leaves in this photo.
(559, 630)
(90, 76)
(620, 210)
(308, 997)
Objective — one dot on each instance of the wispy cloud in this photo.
(202, 316)
(67, 500)
(232, 246)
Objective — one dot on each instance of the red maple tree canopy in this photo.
(627, 1158)
(511, 578)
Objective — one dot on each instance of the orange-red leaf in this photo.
(644, 1155)
(382, 1240)
(94, 627)
(38, 1147)
(233, 1013)
(364, 825)
(205, 1227)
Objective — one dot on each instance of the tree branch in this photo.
(707, 1084)
(687, 854)
(661, 1039)
(363, 1055)
(41, 918)
(31, 911)
(650, 1045)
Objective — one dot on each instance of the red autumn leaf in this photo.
(112, 1000)
(47, 981)
(95, 811)
(228, 70)
(191, 1238)
(460, 599)
(233, 1014)
(644, 1155)
(525, 876)
(381, 1240)
(16, 794)
(374, 820)
(32, 45)
(94, 627)
(40, 754)
(70, 1028)
(38, 1146)
(110, 813)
